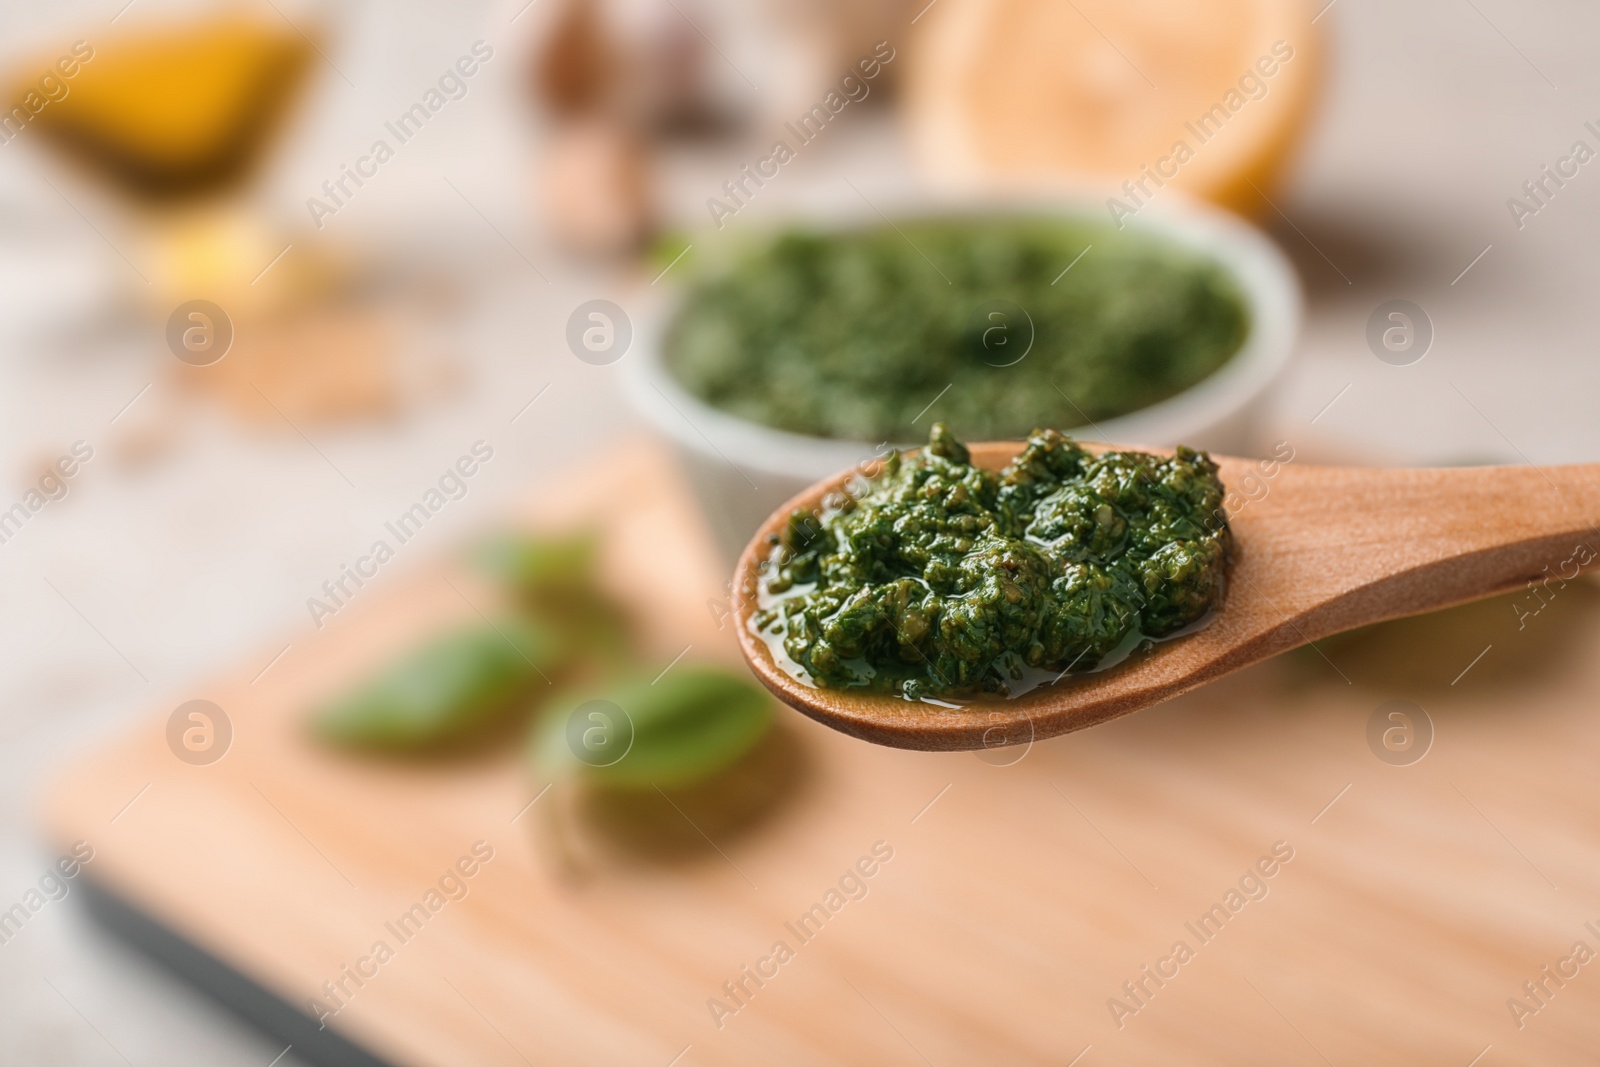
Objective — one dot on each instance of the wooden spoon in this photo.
(1318, 551)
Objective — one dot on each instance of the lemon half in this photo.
(1208, 96)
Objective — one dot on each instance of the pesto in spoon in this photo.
(1314, 551)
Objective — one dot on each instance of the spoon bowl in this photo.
(1317, 550)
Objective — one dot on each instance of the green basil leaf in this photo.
(682, 729)
(445, 691)
(538, 566)
(554, 581)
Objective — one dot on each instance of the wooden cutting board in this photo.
(958, 908)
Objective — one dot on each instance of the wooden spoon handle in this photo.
(1338, 548)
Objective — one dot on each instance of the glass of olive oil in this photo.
(171, 112)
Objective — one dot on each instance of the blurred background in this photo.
(179, 180)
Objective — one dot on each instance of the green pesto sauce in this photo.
(853, 335)
(938, 578)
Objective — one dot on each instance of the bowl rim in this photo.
(1267, 280)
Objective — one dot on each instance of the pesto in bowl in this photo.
(938, 578)
(998, 324)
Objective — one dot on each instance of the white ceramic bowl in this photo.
(742, 470)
